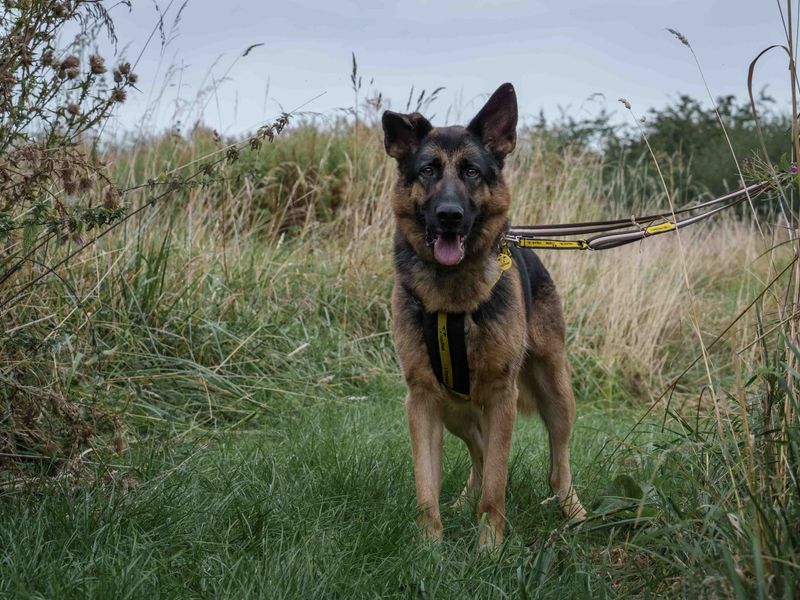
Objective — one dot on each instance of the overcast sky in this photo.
(580, 55)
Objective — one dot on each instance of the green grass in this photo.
(319, 503)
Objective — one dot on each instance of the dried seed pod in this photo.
(70, 62)
(97, 64)
(25, 57)
(111, 198)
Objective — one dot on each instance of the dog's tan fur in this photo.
(515, 364)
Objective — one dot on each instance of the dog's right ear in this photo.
(403, 133)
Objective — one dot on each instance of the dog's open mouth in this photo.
(448, 248)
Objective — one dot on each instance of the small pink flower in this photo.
(793, 169)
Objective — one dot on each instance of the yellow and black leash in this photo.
(610, 236)
(444, 333)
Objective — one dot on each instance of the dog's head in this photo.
(450, 200)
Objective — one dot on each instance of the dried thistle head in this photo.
(97, 64)
(125, 68)
(72, 73)
(626, 103)
(73, 109)
(133, 78)
(119, 95)
(71, 62)
(111, 198)
(117, 76)
(25, 56)
(66, 174)
(50, 59)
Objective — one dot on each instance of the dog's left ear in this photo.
(496, 123)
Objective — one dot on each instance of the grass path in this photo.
(320, 504)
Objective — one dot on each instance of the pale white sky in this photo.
(556, 53)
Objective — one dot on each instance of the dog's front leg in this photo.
(498, 423)
(425, 426)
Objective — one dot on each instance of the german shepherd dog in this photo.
(451, 204)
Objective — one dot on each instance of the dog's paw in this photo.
(430, 530)
(574, 511)
(490, 537)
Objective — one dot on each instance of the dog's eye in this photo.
(471, 173)
(427, 171)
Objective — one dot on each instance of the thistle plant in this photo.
(54, 98)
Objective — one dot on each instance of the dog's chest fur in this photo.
(495, 330)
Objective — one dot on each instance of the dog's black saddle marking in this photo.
(445, 337)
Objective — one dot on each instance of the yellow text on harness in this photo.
(553, 244)
(444, 349)
(660, 227)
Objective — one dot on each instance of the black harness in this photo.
(445, 337)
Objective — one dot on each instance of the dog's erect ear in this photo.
(496, 123)
(403, 133)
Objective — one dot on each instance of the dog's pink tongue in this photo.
(447, 250)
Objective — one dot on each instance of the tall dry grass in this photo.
(625, 307)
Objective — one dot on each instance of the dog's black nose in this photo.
(449, 215)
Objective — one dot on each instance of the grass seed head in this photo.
(680, 36)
